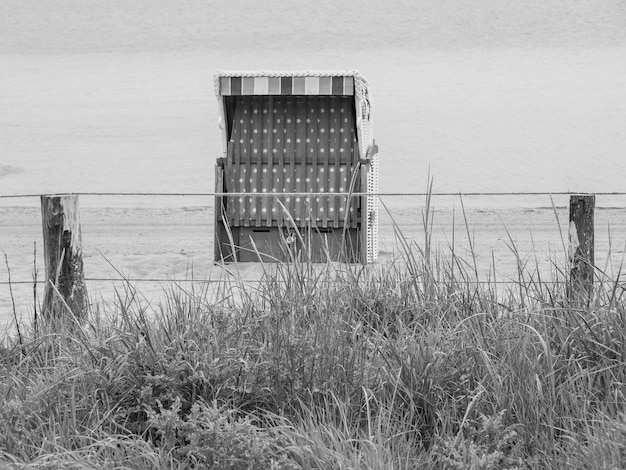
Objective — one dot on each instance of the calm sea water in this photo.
(486, 95)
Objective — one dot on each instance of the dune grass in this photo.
(415, 364)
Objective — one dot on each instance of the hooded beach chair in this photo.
(296, 147)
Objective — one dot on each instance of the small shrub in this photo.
(489, 445)
(215, 437)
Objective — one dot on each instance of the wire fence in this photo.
(328, 194)
(252, 281)
(517, 194)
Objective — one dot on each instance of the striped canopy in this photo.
(306, 83)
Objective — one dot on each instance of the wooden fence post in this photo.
(65, 282)
(581, 244)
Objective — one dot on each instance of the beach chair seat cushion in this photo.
(286, 144)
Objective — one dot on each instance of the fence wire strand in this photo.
(236, 280)
(316, 194)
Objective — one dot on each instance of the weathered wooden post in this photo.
(65, 292)
(581, 243)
